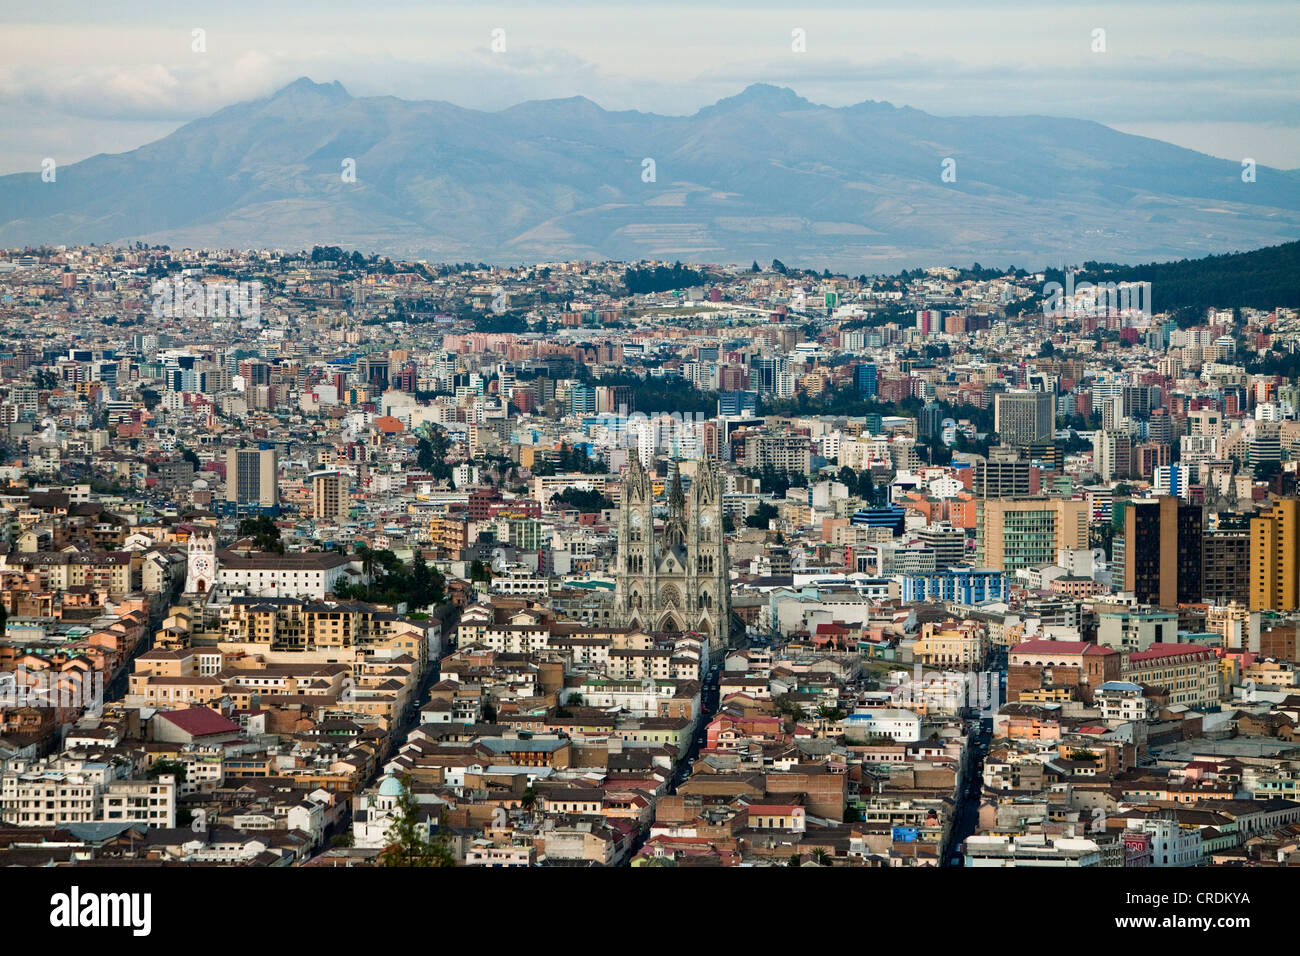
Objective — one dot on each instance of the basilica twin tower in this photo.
(675, 579)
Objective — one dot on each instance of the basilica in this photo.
(674, 578)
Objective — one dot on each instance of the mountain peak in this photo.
(305, 86)
(763, 96)
(763, 173)
(565, 106)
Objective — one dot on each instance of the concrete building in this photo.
(1275, 558)
(1023, 417)
(251, 478)
(329, 496)
(1027, 532)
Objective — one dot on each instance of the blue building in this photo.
(864, 376)
(582, 400)
(963, 585)
(890, 516)
(738, 404)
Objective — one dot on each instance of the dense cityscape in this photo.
(328, 559)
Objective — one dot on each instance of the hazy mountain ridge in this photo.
(760, 175)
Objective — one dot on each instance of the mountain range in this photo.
(765, 174)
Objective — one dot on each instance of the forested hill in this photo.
(1262, 279)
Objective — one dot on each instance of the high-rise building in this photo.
(1265, 448)
(771, 376)
(865, 378)
(1005, 475)
(1022, 417)
(582, 400)
(1028, 532)
(329, 495)
(372, 371)
(1225, 567)
(738, 404)
(251, 477)
(1158, 553)
(1275, 557)
(1112, 455)
(947, 542)
(930, 419)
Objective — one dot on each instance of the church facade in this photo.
(674, 578)
(201, 561)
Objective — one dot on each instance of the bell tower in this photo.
(635, 578)
(710, 583)
(201, 561)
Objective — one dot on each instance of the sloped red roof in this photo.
(198, 721)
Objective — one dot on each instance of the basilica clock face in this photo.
(706, 519)
(636, 519)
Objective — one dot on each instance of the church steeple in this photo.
(675, 524)
(677, 497)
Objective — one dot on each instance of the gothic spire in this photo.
(677, 497)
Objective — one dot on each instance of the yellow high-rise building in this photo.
(329, 496)
(1275, 557)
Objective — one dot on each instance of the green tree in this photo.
(426, 583)
(584, 500)
(174, 767)
(424, 456)
(409, 844)
(263, 532)
(762, 514)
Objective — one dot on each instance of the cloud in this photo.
(146, 91)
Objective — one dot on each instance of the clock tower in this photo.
(202, 561)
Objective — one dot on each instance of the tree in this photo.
(424, 456)
(173, 767)
(408, 843)
(584, 500)
(661, 278)
(422, 582)
(263, 531)
(1265, 470)
(761, 516)
(362, 551)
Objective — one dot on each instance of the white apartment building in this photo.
(152, 802)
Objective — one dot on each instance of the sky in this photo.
(82, 77)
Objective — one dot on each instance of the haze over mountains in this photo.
(761, 175)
